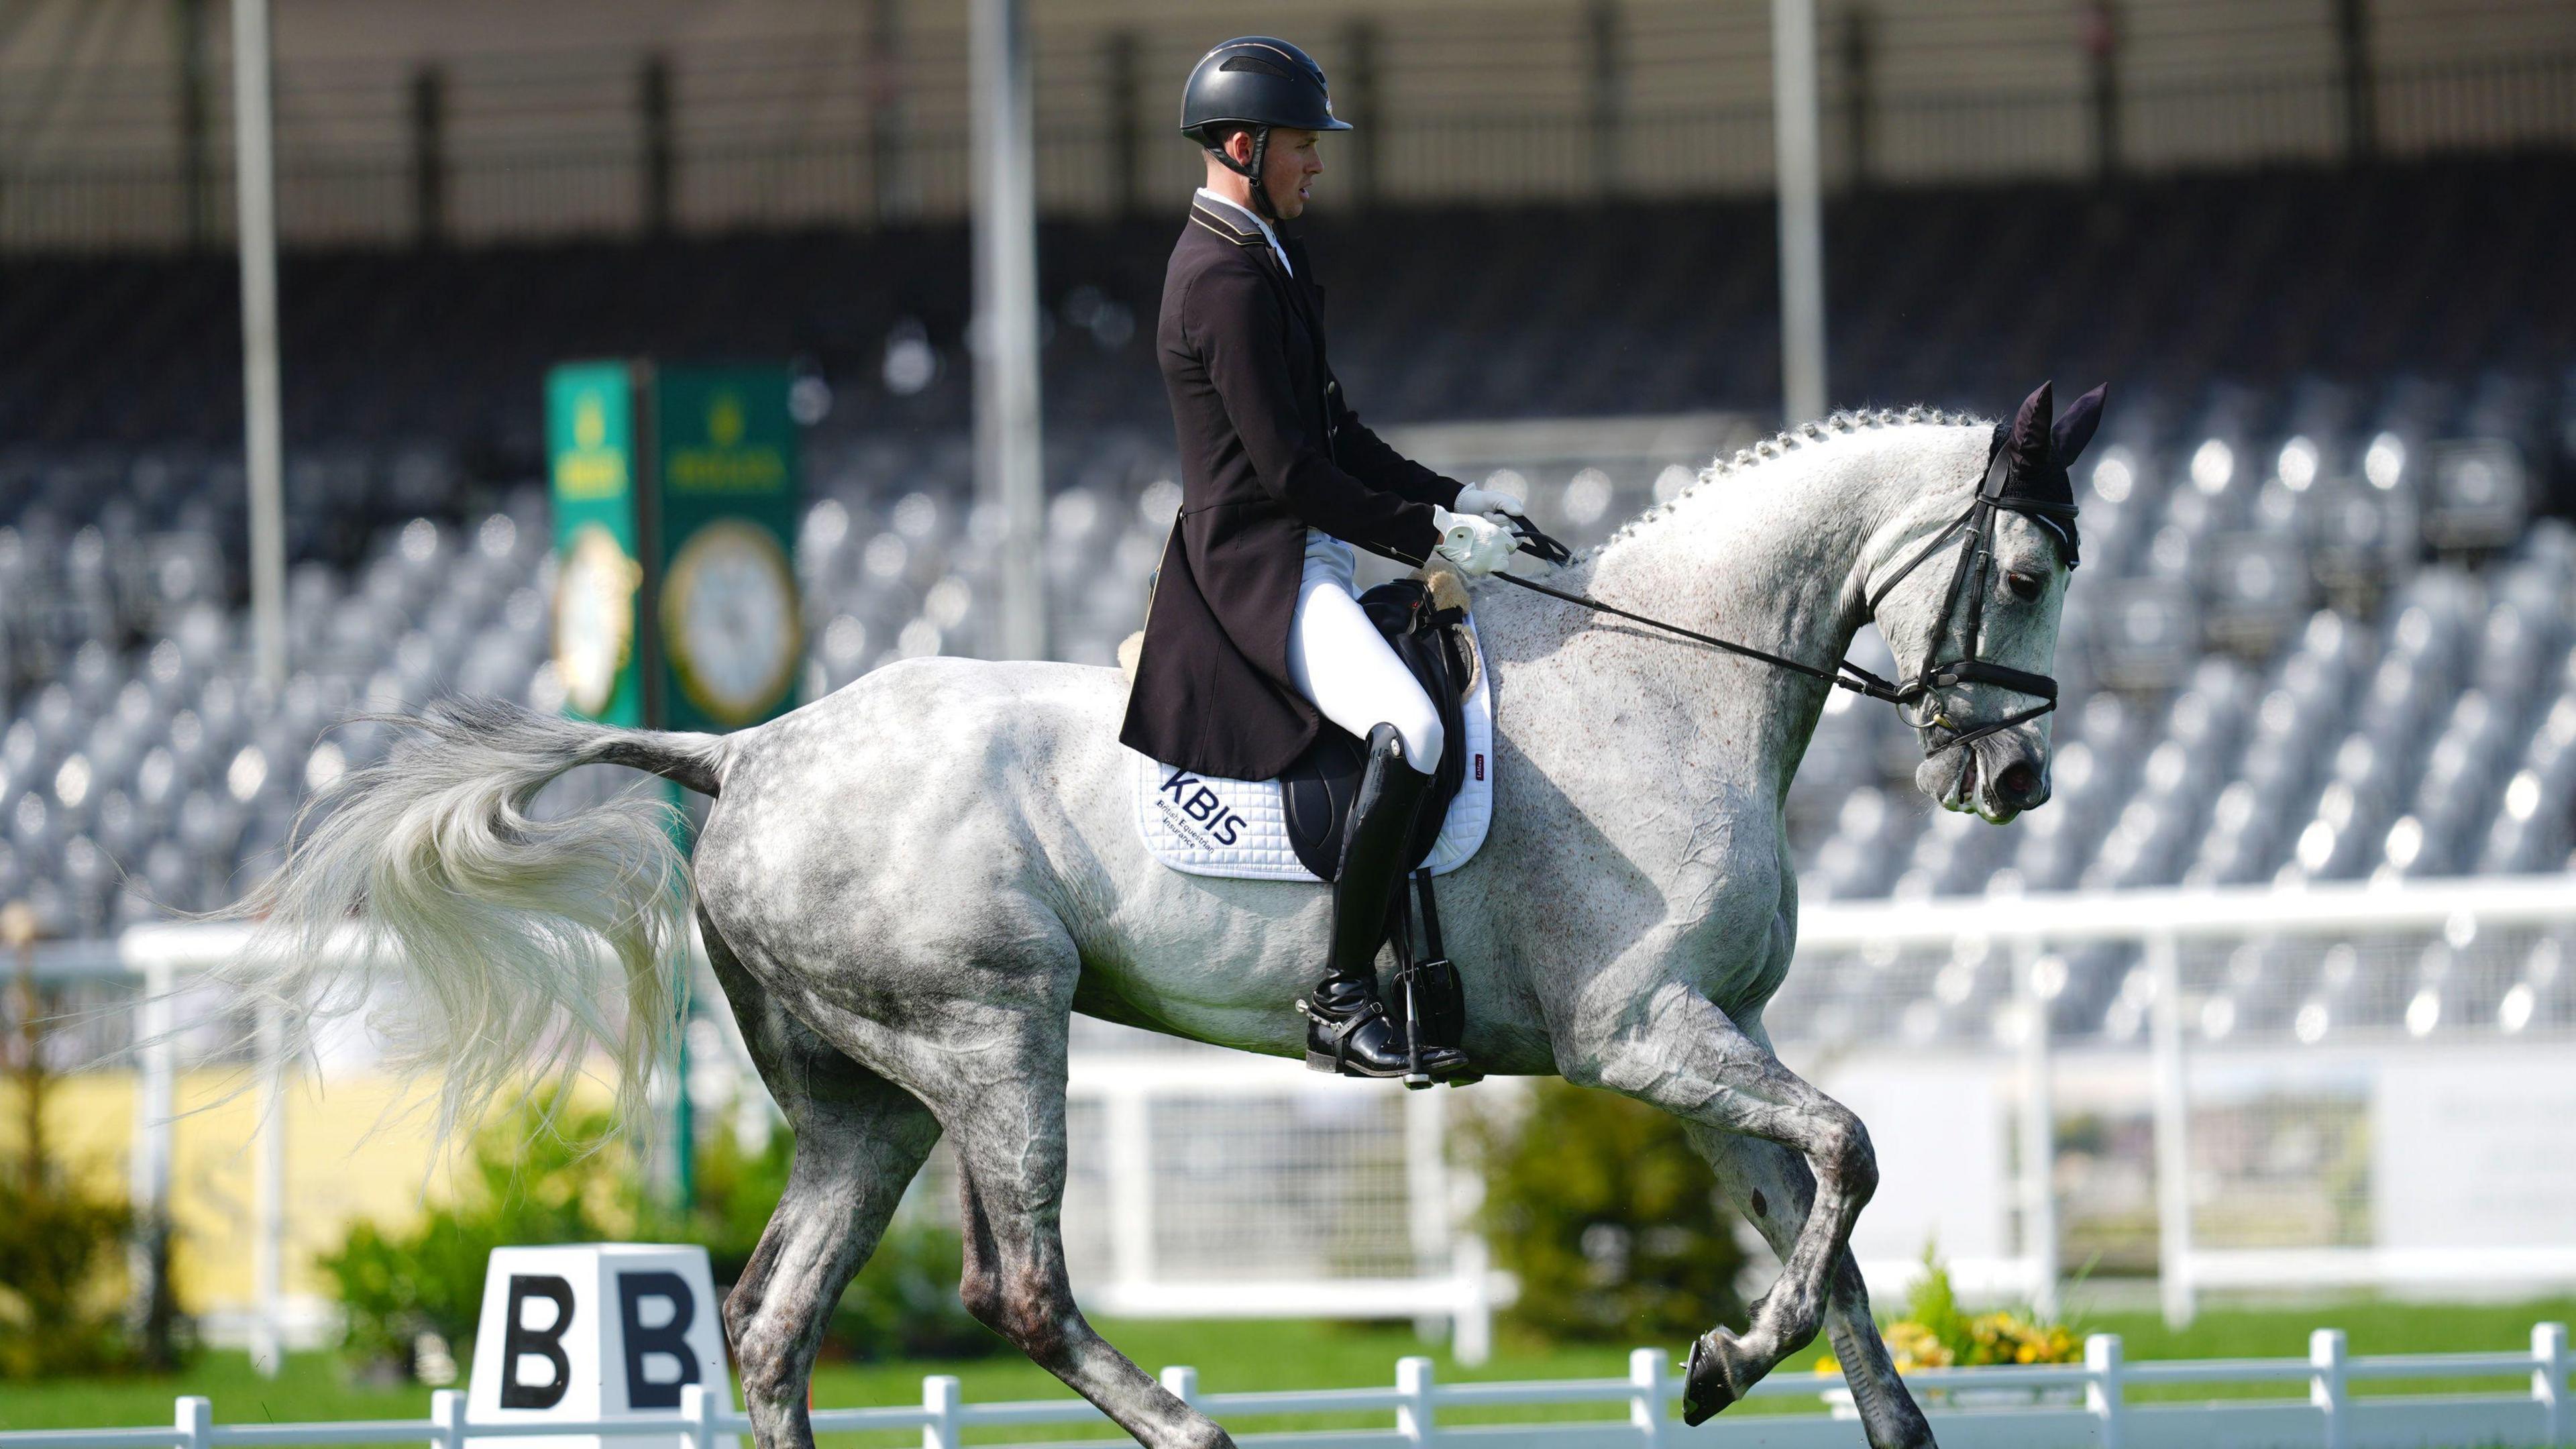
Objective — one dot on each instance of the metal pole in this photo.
(155, 1095)
(1127, 1118)
(255, 185)
(1126, 127)
(2102, 55)
(2038, 1138)
(2173, 1134)
(2360, 98)
(889, 144)
(1857, 97)
(1601, 35)
(1359, 89)
(1426, 1190)
(1802, 218)
(193, 141)
(268, 1246)
(428, 155)
(653, 108)
(1007, 456)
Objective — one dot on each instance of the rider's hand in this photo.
(1472, 499)
(1476, 545)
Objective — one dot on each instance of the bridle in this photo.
(1917, 696)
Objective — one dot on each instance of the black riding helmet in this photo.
(1257, 83)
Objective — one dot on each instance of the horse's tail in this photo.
(483, 944)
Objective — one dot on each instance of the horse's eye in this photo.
(2025, 587)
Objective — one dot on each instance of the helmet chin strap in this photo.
(1251, 172)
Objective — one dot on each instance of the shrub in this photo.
(528, 1179)
(1937, 1333)
(1608, 1216)
(902, 1305)
(57, 1244)
(536, 1177)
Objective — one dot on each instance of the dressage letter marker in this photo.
(594, 1331)
(522, 1340)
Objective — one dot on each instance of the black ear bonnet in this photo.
(2033, 457)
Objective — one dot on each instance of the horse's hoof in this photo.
(1715, 1377)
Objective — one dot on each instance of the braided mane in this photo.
(1840, 424)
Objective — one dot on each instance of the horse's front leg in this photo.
(1674, 1048)
(1771, 1186)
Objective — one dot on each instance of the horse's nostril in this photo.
(2018, 781)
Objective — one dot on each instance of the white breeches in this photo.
(1338, 660)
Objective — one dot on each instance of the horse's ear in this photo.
(2030, 430)
(2075, 428)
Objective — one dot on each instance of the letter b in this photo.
(671, 1338)
(546, 1343)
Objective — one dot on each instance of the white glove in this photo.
(1472, 499)
(1476, 545)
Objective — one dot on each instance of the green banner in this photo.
(598, 618)
(728, 490)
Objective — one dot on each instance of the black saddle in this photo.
(1315, 792)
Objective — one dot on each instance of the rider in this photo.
(1253, 636)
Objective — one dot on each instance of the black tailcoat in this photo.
(1268, 449)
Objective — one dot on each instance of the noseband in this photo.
(1917, 696)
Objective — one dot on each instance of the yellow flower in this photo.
(1915, 1347)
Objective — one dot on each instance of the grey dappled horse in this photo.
(908, 888)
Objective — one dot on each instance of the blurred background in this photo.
(2326, 631)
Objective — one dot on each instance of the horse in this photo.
(907, 888)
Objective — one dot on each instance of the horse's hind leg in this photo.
(1000, 1091)
(1775, 1192)
(859, 1140)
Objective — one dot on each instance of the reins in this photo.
(1977, 526)
(1861, 681)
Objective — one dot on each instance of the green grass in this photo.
(1295, 1354)
(1230, 1356)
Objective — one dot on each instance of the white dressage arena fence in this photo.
(2346, 1086)
(2035, 1407)
(1202, 1183)
(1212, 1184)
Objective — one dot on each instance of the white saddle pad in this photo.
(1207, 826)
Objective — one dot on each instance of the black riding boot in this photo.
(1349, 1030)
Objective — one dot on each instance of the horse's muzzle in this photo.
(1998, 777)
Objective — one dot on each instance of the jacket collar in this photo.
(1226, 221)
(1240, 227)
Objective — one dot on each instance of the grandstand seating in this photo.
(1953, 297)
(2321, 631)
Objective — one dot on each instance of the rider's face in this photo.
(1289, 166)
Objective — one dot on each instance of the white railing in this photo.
(2162, 923)
(1419, 1263)
(1132, 1270)
(2181, 913)
(1129, 1276)
(2059, 1405)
